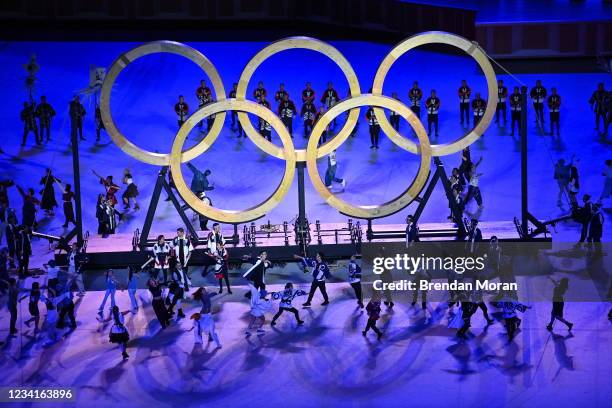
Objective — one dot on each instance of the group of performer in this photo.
(106, 212)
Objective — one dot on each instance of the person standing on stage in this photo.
(132, 286)
(374, 127)
(354, 278)
(77, 113)
(259, 306)
(318, 115)
(419, 276)
(182, 110)
(415, 95)
(554, 105)
(558, 303)
(204, 97)
(222, 267)
(235, 125)
(286, 298)
(595, 229)
(466, 165)
(464, 93)
(308, 94)
(28, 117)
(13, 294)
(131, 191)
(99, 123)
(320, 273)
(24, 250)
(330, 98)
(203, 220)
(432, 104)
(308, 114)
(538, 96)
(265, 129)
(373, 310)
(118, 333)
(12, 237)
(34, 297)
(257, 273)
(100, 214)
(110, 187)
(394, 117)
(75, 265)
(161, 253)
(479, 106)
(48, 202)
(158, 303)
(330, 173)
(259, 92)
(279, 96)
(28, 213)
(474, 236)
(111, 289)
(562, 175)
(502, 95)
(182, 248)
(67, 197)
(573, 187)
(586, 213)
(286, 111)
(597, 102)
(44, 113)
(412, 231)
(516, 108)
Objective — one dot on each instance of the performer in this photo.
(259, 92)
(110, 187)
(516, 108)
(432, 104)
(308, 94)
(574, 183)
(52, 273)
(131, 191)
(111, 288)
(373, 310)
(308, 113)
(415, 95)
(554, 104)
(161, 253)
(477, 297)
(24, 250)
(176, 293)
(502, 95)
(330, 173)
(13, 294)
(286, 110)
(12, 236)
(320, 272)
(28, 117)
(374, 127)
(478, 106)
(67, 197)
(109, 218)
(158, 303)
(330, 98)
(101, 214)
(35, 296)
(586, 213)
(318, 116)
(354, 278)
(473, 186)
(468, 308)
(204, 323)
(419, 276)
(77, 113)
(132, 286)
(99, 123)
(394, 117)
(597, 102)
(538, 95)
(48, 202)
(265, 129)
(44, 112)
(558, 303)
(286, 297)
(259, 306)
(28, 211)
(474, 236)
(118, 333)
(222, 267)
(257, 273)
(204, 98)
(464, 102)
(199, 182)
(562, 175)
(183, 247)
(182, 110)
(279, 96)
(412, 231)
(75, 265)
(235, 125)
(201, 217)
(596, 230)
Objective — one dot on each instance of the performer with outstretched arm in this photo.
(320, 272)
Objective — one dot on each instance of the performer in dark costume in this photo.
(597, 102)
(374, 127)
(265, 129)
(222, 268)
(77, 113)
(558, 303)
(30, 202)
(330, 98)
(354, 278)
(161, 253)
(28, 117)
(538, 95)
(182, 110)
(516, 108)
(48, 202)
(199, 181)
(4, 197)
(468, 308)
(158, 303)
(13, 294)
(330, 173)
(415, 95)
(259, 92)
(24, 250)
(67, 197)
(257, 273)
(432, 104)
(100, 214)
(118, 333)
(509, 307)
(12, 236)
(204, 96)
(44, 112)
(502, 95)
(464, 93)
(419, 276)
(554, 105)
(474, 237)
(596, 230)
(286, 111)
(99, 123)
(412, 231)
(466, 165)
(373, 310)
(34, 297)
(110, 218)
(394, 117)
(320, 272)
(182, 248)
(318, 116)
(478, 106)
(308, 94)
(308, 113)
(131, 191)
(286, 297)
(279, 96)
(235, 125)
(203, 220)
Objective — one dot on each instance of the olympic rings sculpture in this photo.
(287, 152)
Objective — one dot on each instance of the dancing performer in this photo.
(538, 96)
(308, 94)
(474, 236)
(44, 112)
(204, 96)
(35, 296)
(175, 295)
(516, 108)
(308, 114)
(118, 332)
(598, 104)
(75, 265)
(183, 247)
(65, 305)
(49, 326)
(374, 127)
(279, 96)
(207, 323)
(330, 173)
(286, 110)
(259, 306)
(502, 95)
(77, 113)
(394, 117)
(509, 307)
(412, 231)
(421, 275)
(373, 310)
(158, 303)
(464, 93)
(554, 105)
(28, 117)
(562, 175)
(415, 95)
(256, 274)
(432, 104)
(320, 272)
(109, 186)
(354, 278)
(265, 129)
(558, 303)
(330, 98)
(48, 202)
(161, 253)
(99, 123)
(468, 308)
(67, 197)
(52, 273)
(11, 303)
(182, 110)
(111, 288)
(203, 220)
(214, 238)
(199, 181)
(131, 191)
(24, 250)
(132, 286)
(326, 131)
(286, 297)
(477, 297)
(596, 229)
(222, 268)
(473, 186)
(259, 92)
(101, 214)
(478, 107)
(110, 218)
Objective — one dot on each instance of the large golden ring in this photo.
(123, 61)
(439, 37)
(399, 202)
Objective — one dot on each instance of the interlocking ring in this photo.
(290, 43)
(439, 37)
(227, 216)
(123, 61)
(424, 149)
